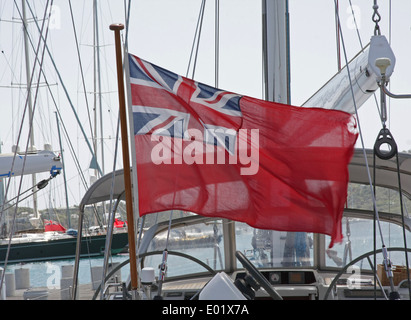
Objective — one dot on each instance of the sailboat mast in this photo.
(97, 87)
(64, 173)
(276, 54)
(30, 102)
(276, 51)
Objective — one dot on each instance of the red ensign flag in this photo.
(220, 154)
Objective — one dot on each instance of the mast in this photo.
(64, 173)
(97, 89)
(30, 102)
(276, 51)
(276, 62)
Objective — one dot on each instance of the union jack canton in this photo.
(168, 104)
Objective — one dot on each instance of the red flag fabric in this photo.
(220, 154)
(50, 225)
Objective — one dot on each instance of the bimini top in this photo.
(386, 173)
(110, 186)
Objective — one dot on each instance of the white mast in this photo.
(97, 89)
(30, 103)
(276, 53)
(276, 65)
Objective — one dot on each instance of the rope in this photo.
(31, 122)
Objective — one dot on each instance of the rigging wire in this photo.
(31, 121)
(354, 102)
(71, 147)
(361, 138)
(40, 185)
(197, 36)
(356, 24)
(377, 31)
(402, 205)
(112, 215)
(29, 84)
(394, 151)
(217, 40)
(106, 71)
(81, 67)
(196, 43)
(69, 101)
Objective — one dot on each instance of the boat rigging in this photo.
(372, 76)
(222, 254)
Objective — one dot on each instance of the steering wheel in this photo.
(151, 253)
(364, 256)
(262, 281)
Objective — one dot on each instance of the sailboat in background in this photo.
(39, 239)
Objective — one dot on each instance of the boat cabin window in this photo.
(202, 241)
(274, 249)
(359, 239)
(358, 226)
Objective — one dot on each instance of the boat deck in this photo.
(85, 293)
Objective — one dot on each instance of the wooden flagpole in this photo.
(126, 161)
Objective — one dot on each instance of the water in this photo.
(46, 274)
